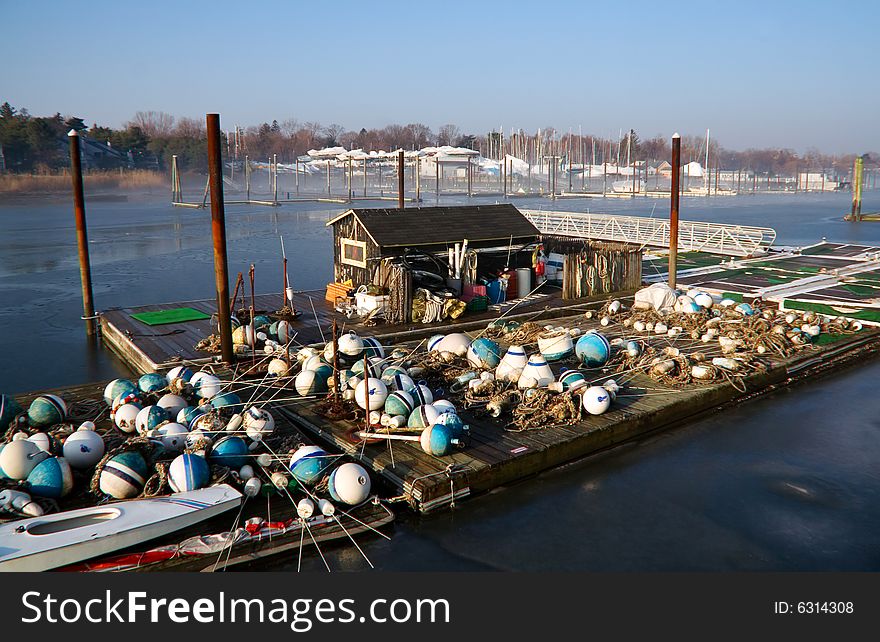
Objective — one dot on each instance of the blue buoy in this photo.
(228, 400)
(188, 472)
(47, 410)
(123, 476)
(437, 440)
(309, 464)
(152, 382)
(116, 388)
(484, 353)
(230, 451)
(453, 422)
(593, 350)
(50, 478)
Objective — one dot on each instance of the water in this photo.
(788, 482)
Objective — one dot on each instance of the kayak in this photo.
(50, 541)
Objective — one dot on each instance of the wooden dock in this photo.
(497, 456)
(147, 348)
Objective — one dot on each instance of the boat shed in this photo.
(361, 237)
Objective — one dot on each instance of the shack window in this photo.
(354, 253)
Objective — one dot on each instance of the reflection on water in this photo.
(787, 482)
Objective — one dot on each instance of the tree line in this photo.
(36, 143)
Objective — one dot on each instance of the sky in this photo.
(758, 74)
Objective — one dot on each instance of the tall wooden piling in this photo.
(218, 233)
(673, 209)
(82, 238)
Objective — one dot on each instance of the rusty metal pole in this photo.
(218, 233)
(335, 361)
(82, 238)
(400, 181)
(673, 209)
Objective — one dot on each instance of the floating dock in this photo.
(497, 456)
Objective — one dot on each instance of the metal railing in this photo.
(693, 236)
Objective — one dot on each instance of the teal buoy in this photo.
(47, 410)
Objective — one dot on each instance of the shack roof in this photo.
(419, 226)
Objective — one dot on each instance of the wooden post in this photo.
(336, 361)
(350, 187)
(82, 238)
(328, 178)
(218, 232)
(365, 178)
(418, 179)
(296, 172)
(275, 178)
(401, 178)
(436, 176)
(469, 177)
(858, 170)
(247, 177)
(673, 209)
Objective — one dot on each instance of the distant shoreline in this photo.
(57, 184)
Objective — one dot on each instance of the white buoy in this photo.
(326, 507)
(83, 449)
(252, 487)
(350, 484)
(596, 400)
(305, 508)
(18, 458)
(258, 423)
(19, 502)
(246, 472)
(371, 394)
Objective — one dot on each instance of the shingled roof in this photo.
(419, 226)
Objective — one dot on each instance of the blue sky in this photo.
(793, 74)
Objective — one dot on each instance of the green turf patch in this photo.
(172, 315)
(863, 314)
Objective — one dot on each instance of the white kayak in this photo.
(51, 541)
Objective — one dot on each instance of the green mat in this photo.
(174, 315)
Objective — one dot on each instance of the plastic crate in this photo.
(478, 304)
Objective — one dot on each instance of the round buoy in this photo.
(374, 365)
(125, 417)
(572, 380)
(351, 347)
(188, 472)
(50, 478)
(150, 418)
(457, 343)
(226, 400)
(593, 350)
(434, 341)
(262, 321)
(188, 414)
(172, 404)
(19, 457)
(152, 382)
(206, 385)
(243, 335)
(596, 400)
(399, 402)
(437, 440)
(123, 476)
(453, 422)
(179, 372)
(309, 464)
(443, 406)
(83, 449)
(280, 331)
(278, 368)
(231, 452)
(633, 349)
(422, 394)
(252, 487)
(371, 394)
(484, 353)
(44, 441)
(173, 436)
(349, 484)
(309, 382)
(373, 348)
(258, 423)
(116, 388)
(703, 300)
(47, 410)
(305, 508)
(422, 416)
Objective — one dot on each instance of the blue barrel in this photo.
(495, 291)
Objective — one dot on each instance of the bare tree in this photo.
(448, 134)
(153, 123)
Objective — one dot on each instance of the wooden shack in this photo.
(362, 237)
